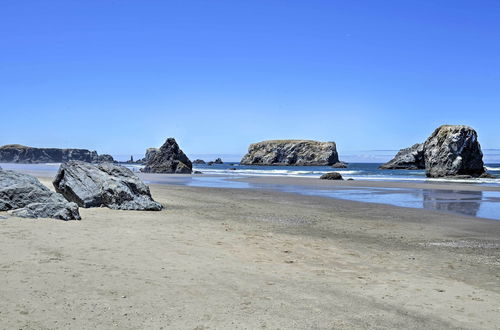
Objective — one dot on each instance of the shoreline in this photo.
(245, 258)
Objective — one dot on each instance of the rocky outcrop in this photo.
(103, 184)
(331, 176)
(24, 196)
(291, 152)
(169, 159)
(15, 153)
(199, 161)
(411, 158)
(105, 158)
(451, 151)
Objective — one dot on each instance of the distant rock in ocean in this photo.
(451, 150)
(291, 152)
(24, 196)
(217, 161)
(103, 184)
(340, 165)
(199, 161)
(169, 159)
(15, 153)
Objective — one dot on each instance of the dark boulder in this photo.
(24, 196)
(103, 184)
(339, 165)
(331, 176)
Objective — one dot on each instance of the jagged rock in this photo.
(169, 159)
(339, 165)
(15, 153)
(331, 176)
(103, 184)
(105, 158)
(199, 161)
(24, 196)
(407, 159)
(291, 152)
(451, 151)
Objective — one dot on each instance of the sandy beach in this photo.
(250, 259)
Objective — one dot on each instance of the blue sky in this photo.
(121, 76)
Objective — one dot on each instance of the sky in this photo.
(122, 76)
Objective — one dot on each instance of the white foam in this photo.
(492, 168)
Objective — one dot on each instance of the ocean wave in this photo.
(492, 168)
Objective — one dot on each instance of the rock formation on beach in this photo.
(451, 150)
(15, 153)
(24, 196)
(103, 184)
(169, 159)
(331, 176)
(199, 161)
(291, 152)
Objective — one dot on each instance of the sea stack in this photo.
(451, 150)
(291, 152)
(168, 159)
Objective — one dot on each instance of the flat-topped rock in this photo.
(24, 196)
(104, 184)
(451, 151)
(291, 152)
(169, 159)
(15, 153)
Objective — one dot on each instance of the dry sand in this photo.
(249, 259)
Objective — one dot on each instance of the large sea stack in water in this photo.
(291, 152)
(16, 153)
(452, 150)
(168, 159)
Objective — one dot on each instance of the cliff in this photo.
(15, 153)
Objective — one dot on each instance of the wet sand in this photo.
(247, 259)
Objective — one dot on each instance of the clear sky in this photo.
(121, 76)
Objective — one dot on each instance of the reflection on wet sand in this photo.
(461, 202)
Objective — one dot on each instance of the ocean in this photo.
(357, 171)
